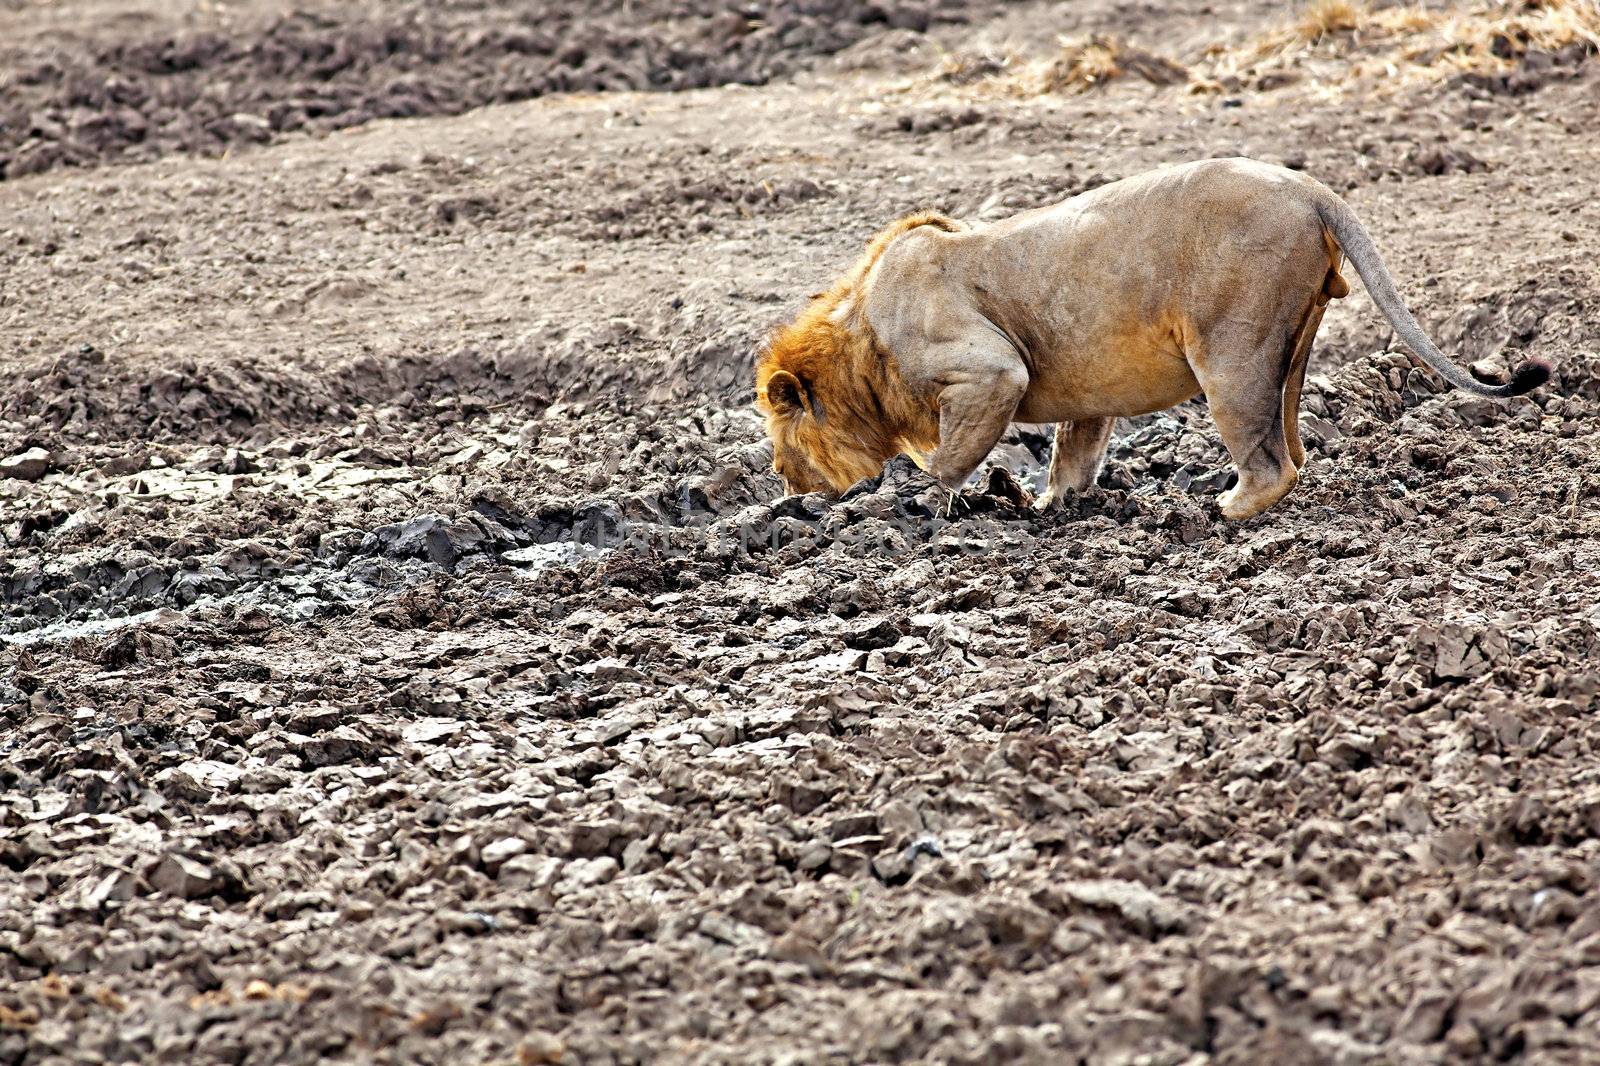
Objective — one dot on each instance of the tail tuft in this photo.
(1529, 376)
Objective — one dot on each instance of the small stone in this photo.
(635, 855)
(437, 1018)
(868, 634)
(430, 730)
(496, 853)
(311, 721)
(186, 878)
(854, 824)
(1424, 1019)
(814, 856)
(891, 866)
(539, 1048)
(802, 797)
(118, 886)
(530, 871)
(1463, 1039)
(1143, 909)
(588, 873)
(340, 747)
(200, 779)
(30, 465)
(1490, 371)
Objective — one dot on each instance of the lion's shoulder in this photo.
(828, 331)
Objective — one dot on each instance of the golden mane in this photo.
(864, 414)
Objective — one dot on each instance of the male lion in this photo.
(1207, 277)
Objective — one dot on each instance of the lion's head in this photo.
(817, 445)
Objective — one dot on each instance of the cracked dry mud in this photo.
(407, 656)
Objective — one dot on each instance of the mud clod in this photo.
(30, 465)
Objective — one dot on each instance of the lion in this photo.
(1209, 277)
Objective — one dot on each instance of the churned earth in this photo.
(406, 655)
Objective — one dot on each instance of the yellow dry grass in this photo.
(1486, 36)
(1329, 41)
(1081, 66)
(1324, 17)
(1086, 64)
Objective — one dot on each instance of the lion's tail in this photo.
(1357, 245)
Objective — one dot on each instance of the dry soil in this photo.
(407, 656)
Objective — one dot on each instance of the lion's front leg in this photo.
(974, 412)
(1076, 458)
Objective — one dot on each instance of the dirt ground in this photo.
(406, 655)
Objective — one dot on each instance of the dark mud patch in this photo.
(705, 501)
(234, 400)
(209, 90)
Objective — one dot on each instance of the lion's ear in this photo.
(785, 394)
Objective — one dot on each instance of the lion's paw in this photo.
(1236, 507)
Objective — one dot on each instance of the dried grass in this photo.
(964, 68)
(1083, 65)
(1486, 36)
(1330, 41)
(1324, 17)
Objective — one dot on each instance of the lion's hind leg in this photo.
(1334, 287)
(1295, 381)
(1243, 379)
(1260, 455)
(1076, 458)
